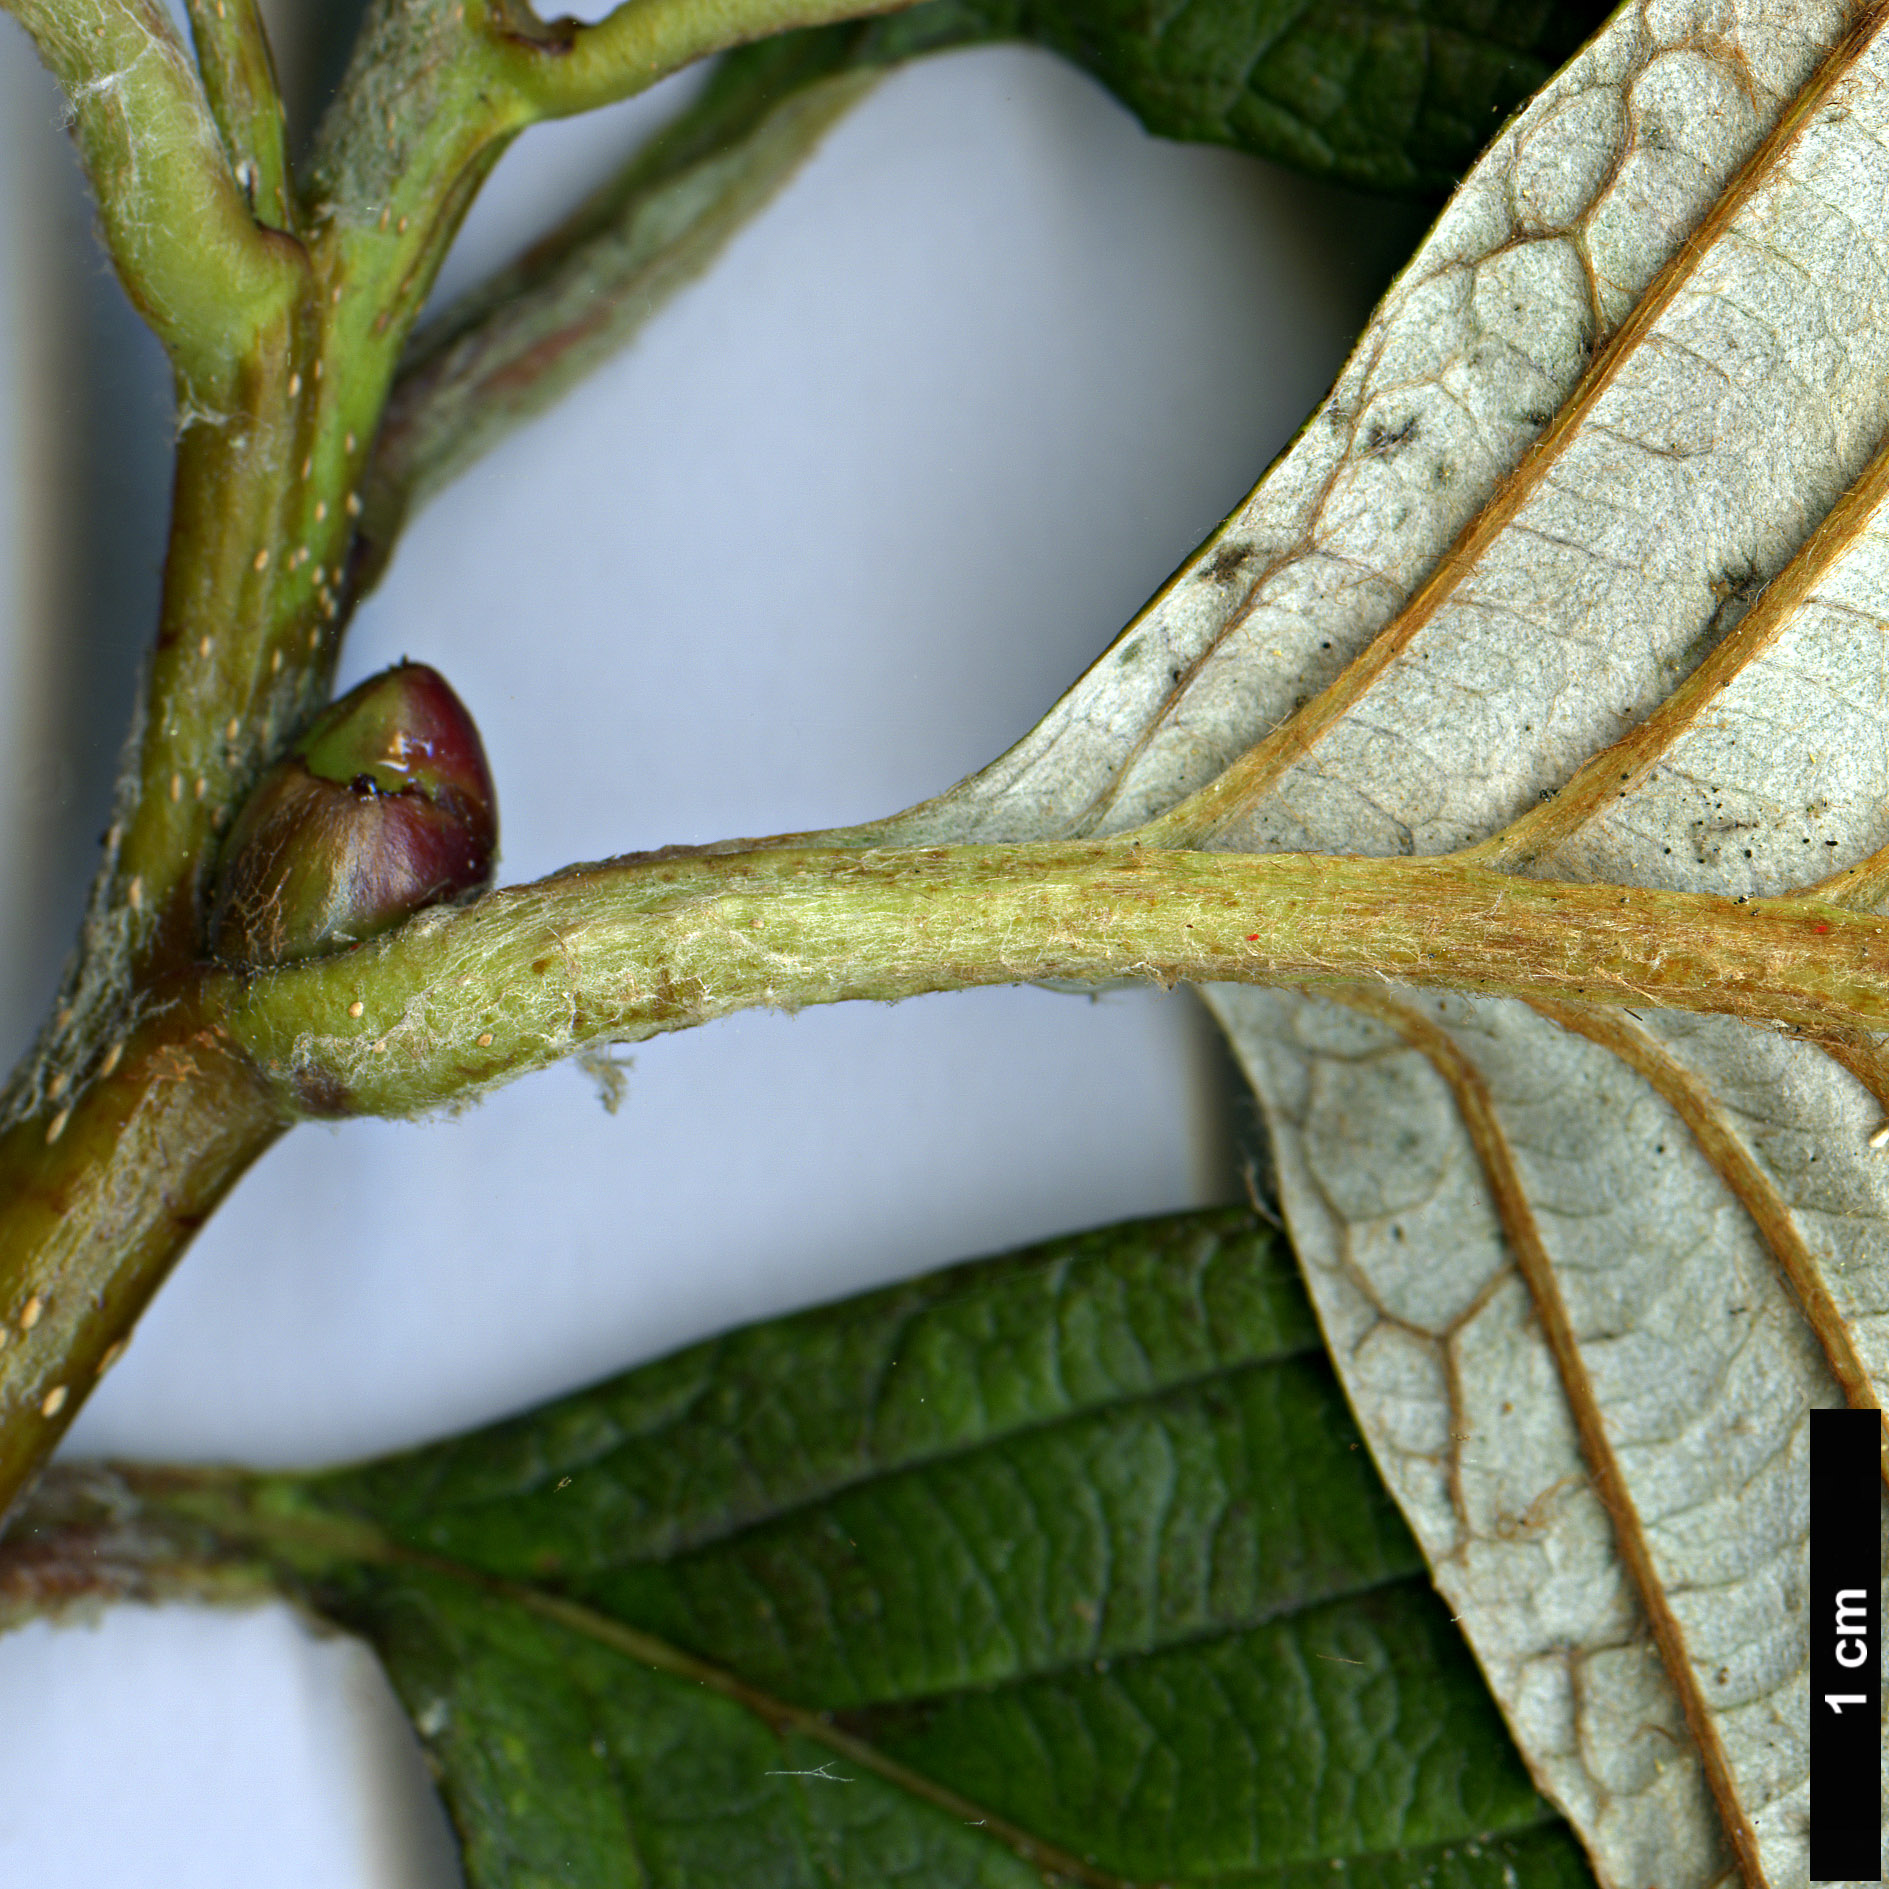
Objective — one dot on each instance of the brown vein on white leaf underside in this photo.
(1859, 888)
(1734, 1163)
(1617, 770)
(1477, 1110)
(1207, 812)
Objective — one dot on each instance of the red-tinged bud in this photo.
(384, 805)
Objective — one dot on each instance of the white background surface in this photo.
(833, 533)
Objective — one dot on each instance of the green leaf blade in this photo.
(1068, 1562)
(1141, 1527)
(1388, 97)
(1342, 1731)
(1347, 1740)
(1382, 97)
(1068, 1566)
(1534, 1859)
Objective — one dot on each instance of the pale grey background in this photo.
(836, 530)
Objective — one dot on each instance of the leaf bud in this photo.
(383, 805)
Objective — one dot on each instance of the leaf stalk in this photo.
(460, 1000)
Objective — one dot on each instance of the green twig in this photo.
(178, 227)
(136, 1110)
(568, 67)
(240, 84)
(222, 293)
(102, 1194)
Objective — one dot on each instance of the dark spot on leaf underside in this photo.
(1384, 442)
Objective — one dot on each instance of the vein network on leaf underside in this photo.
(1208, 814)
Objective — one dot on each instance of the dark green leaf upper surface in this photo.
(1393, 95)
(1388, 96)
(1066, 1564)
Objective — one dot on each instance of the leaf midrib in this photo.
(782, 1717)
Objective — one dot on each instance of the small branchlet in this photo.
(239, 83)
(284, 304)
(179, 227)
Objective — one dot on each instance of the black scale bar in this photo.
(1845, 1625)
